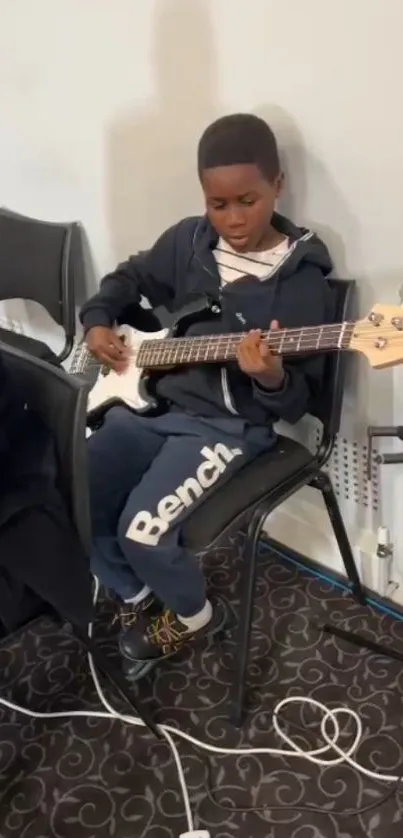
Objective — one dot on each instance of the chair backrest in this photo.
(329, 402)
(44, 262)
(61, 402)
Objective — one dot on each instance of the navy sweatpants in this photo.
(146, 475)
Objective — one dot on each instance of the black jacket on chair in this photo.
(41, 560)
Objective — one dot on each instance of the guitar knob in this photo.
(216, 309)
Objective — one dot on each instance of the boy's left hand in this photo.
(255, 359)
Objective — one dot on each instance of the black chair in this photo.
(264, 484)
(43, 262)
(60, 400)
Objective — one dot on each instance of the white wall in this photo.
(101, 105)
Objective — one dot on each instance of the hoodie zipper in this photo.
(226, 392)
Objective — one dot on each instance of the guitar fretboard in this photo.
(216, 348)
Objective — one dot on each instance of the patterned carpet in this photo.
(94, 778)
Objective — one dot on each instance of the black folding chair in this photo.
(256, 490)
(60, 400)
(43, 262)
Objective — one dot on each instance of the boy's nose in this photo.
(235, 219)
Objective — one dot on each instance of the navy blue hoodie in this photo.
(181, 265)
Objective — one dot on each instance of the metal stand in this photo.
(362, 642)
(395, 432)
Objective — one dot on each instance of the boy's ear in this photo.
(279, 184)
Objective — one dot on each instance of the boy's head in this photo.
(240, 174)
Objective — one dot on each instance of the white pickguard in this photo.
(126, 386)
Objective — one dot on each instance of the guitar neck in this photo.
(220, 348)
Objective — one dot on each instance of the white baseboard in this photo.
(304, 526)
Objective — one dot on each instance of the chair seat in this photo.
(267, 474)
(29, 345)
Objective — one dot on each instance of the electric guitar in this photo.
(379, 337)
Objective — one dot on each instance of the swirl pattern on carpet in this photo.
(94, 778)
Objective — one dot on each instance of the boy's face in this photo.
(240, 204)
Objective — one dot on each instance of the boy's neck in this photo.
(271, 239)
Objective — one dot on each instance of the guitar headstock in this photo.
(380, 336)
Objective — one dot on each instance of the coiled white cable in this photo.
(330, 719)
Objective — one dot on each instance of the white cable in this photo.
(329, 718)
(166, 733)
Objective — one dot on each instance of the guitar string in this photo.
(86, 356)
(195, 340)
(326, 328)
(82, 351)
(283, 334)
(284, 346)
(274, 339)
(230, 340)
(310, 330)
(284, 341)
(158, 346)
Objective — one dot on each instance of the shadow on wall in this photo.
(152, 178)
(152, 153)
(303, 172)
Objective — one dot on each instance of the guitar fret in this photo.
(299, 340)
(342, 330)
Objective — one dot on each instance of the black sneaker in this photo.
(164, 635)
(129, 614)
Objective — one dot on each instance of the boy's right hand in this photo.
(107, 347)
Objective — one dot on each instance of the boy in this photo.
(146, 473)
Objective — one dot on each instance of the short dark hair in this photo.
(236, 139)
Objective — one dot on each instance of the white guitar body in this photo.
(128, 387)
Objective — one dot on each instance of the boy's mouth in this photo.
(238, 242)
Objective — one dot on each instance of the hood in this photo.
(306, 246)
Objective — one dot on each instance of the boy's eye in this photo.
(247, 202)
(219, 205)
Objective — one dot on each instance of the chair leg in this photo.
(322, 482)
(248, 580)
(115, 677)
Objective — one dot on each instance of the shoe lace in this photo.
(164, 630)
(127, 616)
